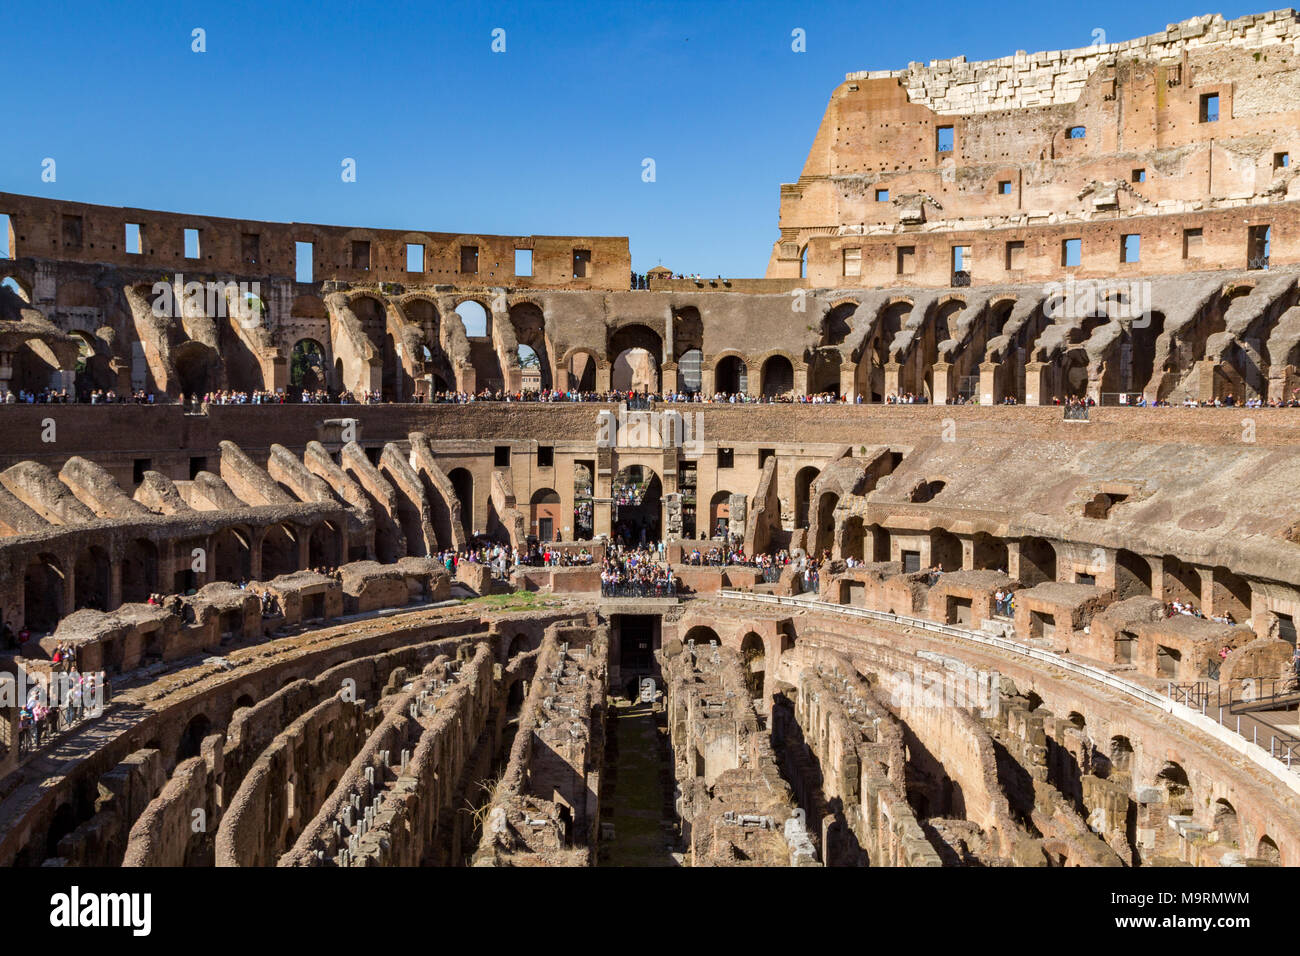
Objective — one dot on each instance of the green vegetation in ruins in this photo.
(513, 601)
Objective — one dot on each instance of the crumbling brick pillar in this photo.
(668, 378)
(990, 387)
(893, 375)
(848, 385)
(1036, 383)
(942, 382)
(1013, 560)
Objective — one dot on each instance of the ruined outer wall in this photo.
(1140, 105)
(82, 232)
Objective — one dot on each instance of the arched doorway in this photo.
(754, 659)
(139, 571)
(824, 538)
(279, 552)
(702, 635)
(803, 482)
(323, 546)
(730, 376)
(91, 579)
(534, 353)
(583, 504)
(778, 377)
(720, 515)
(191, 742)
(462, 482)
(544, 517)
(635, 353)
(1037, 561)
(637, 493)
(482, 349)
(635, 371)
(307, 366)
(43, 594)
(582, 372)
(1132, 574)
(232, 556)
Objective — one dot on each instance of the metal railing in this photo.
(664, 589)
(1282, 746)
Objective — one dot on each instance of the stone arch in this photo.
(139, 570)
(43, 583)
(308, 365)
(636, 354)
(476, 317)
(877, 348)
(803, 482)
(279, 551)
(853, 538)
(1121, 754)
(191, 739)
(1132, 574)
(1173, 778)
(1226, 823)
(688, 329)
(544, 513)
(1179, 581)
(580, 364)
(324, 546)
(198, 369)
(777, 376)
(638, 497)
(1231, 594)
(823, 538)
(462, 482)
(1267, 850)
(91, 578)
(1037, 561)
(720, 514)
(989, 553)
(835, 324)
(232, 555)
(529, 323)
(753, 655)
(701, 634)
(730, 374)
(946, 312)
(945, 550)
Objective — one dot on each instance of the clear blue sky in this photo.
(548, 137)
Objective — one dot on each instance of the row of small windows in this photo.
(1209, 113)
(1259, 241)
(134, 244)
(1280, 161)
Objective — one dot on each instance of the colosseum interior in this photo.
(966, 536)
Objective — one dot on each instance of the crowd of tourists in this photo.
(44, 714)
(320, 396)
(61, 396)
(721, 556)
(636, 572)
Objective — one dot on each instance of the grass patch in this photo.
(515, 600)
